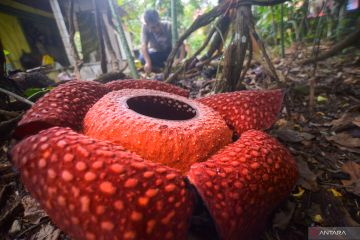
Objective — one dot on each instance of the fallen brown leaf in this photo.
(307, 178)
(47, 232)
(33, 212)
(356, 121)
(353, 169)
(288, 135)
(347, 120)
(345, 139)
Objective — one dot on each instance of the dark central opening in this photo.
(161, 107)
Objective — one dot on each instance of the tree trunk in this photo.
(235, 53)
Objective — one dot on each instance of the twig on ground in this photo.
(315, 52)
(9, 113)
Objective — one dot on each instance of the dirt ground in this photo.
(325, 143)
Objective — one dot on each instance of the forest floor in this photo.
(325, 143)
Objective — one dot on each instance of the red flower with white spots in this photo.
(109, 164)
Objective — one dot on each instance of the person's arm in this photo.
(145, 51)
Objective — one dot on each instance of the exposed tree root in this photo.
(350, 40)
(234, 56)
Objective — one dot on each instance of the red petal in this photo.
(147, 84)
(193, 133)
(96, 190)
(66, 106)
(245, 110)
(244, 182)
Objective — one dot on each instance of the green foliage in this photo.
(36, 93)
(191, 10)
(268, 22)
(187, 10)
(298, 26)
(132, 20)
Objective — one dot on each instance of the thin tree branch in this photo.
(199, 22)
(218, 41)
(189, 60)
(208, 17)
(315, 52)
(208, 60)
(248, 64)
(21, 99)
(262, 49)
(351, 39)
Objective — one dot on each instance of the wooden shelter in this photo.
(30, 30)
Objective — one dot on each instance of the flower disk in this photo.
(96, 190)
(147, 84)
(244, 182)
(158, 126)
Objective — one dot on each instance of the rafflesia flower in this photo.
(117, 161)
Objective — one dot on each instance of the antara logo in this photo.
(332, 233)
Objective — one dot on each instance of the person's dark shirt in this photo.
(159, 41)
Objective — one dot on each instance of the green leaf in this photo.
(120, 2)
(34, 91)
(6, 52)
(321, 99)
(31, 91)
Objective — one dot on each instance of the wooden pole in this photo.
(124, 43)
(59, 18)
(112, 55)
(174, 27)
(99, 32)
(282, 32)
(71, 38)
(2, 62)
